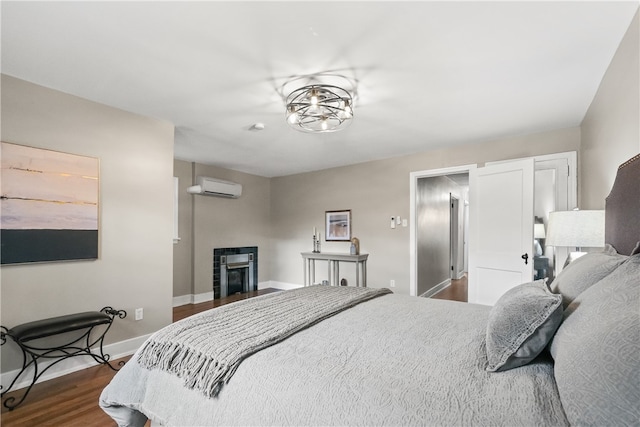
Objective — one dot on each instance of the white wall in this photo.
(134, 268)
(611, 127)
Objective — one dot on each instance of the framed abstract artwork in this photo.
(49, 205)
(338, 226)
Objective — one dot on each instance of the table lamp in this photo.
(576, 229)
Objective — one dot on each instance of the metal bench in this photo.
(24, 336)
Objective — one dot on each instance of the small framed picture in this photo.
(338, 226)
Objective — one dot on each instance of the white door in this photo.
(500, 228)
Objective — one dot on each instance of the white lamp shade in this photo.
(538, 231)
(576, 229)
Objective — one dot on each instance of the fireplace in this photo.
(235, 270)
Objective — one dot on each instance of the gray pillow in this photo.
(597, 351)
(584, 272)
(520, 325)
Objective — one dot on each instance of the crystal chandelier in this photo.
(319, 108)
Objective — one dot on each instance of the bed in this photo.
(567, 353)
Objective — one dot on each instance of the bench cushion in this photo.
(57, 325)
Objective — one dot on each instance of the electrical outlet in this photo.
(139, 313)
(392, 283)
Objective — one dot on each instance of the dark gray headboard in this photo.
(622, 211)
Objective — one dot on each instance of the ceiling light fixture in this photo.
(319, 108)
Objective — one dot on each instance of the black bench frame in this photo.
(71, 347)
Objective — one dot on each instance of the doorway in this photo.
(564, 189)
(438, 241)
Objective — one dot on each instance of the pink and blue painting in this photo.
(48, 205)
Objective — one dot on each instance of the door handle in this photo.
(525, 257)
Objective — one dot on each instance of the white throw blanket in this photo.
(206, 349)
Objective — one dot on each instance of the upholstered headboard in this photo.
(622, 211)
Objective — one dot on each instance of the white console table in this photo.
(333, 266)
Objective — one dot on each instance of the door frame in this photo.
(413, 240)
(454, 215)
(571, 157)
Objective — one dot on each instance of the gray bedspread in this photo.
(206, 349)
(394, 360)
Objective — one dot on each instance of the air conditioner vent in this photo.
(215, 187)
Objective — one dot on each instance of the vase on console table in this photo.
(316, 244)
(355, 246)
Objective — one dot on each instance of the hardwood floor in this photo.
(72, 400)
(457, 291)
(183, 311)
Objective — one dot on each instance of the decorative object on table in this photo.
(49, 205)
(316, 241)
(355, 246)
(577, 229)
(338, 226)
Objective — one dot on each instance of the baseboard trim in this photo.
(192, 299)
(208, 296)
(437, 288)
(182, 300)
(115, 350)
(278, 285)
(204, 297)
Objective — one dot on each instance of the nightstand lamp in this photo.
(576, 228)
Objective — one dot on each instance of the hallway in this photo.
(457, 291)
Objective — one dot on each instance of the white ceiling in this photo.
(428, 74)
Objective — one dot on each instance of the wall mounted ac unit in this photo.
(215, 187)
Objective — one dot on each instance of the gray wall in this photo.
(433, 234)
(215, 222)
(376, 191)
(136, 198)
(611, 127)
